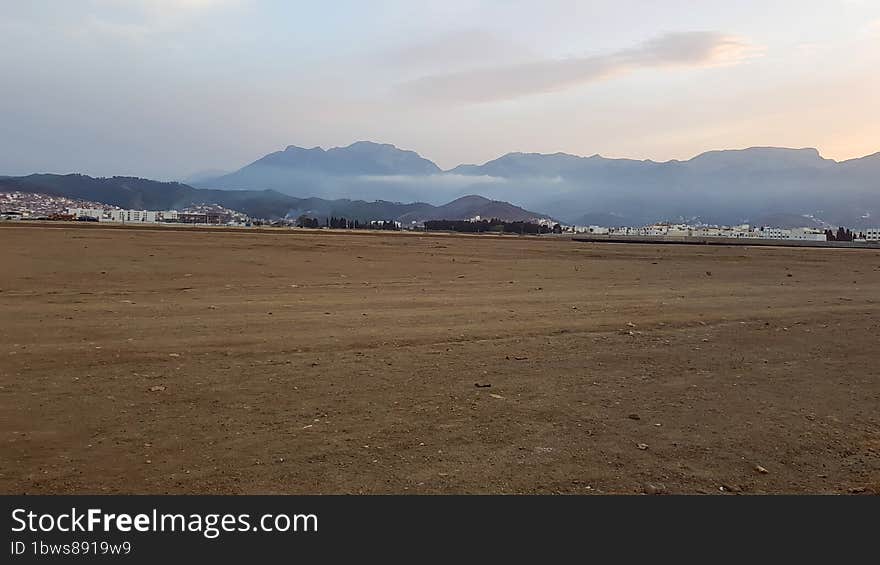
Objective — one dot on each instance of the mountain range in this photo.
(137, 193)
(365, 180)
(796, 186)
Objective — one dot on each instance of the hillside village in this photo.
(33, 206)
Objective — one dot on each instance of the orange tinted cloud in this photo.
(681, 49)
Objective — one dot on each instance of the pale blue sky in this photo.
(165, 88)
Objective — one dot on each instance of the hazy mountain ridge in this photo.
(299, 166)
(728, 187)
(369, 180)
(137, 193)
(724, 186)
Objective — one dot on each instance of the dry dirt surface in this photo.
(209, 361)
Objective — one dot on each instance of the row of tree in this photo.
(465, 226)
(345, 224)
(842, 234)
(491, 226)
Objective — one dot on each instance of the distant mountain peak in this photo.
(362, 145)
(471, 199)
(803, 153)
(284, 169)
(761, 158)
(368, 144)
(767, 150)
(315, 149)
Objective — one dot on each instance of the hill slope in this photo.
(129, 192)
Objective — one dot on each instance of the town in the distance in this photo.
(16, 205)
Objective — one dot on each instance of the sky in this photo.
(168, 88)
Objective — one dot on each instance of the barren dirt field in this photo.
(199, 361)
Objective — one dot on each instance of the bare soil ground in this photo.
(199, 361)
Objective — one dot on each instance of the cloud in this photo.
(454, 50)
(168, 7)
(138, 19)
(183, 8)
(681, 49)
(143, 24)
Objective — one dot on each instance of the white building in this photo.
(96, 213)
(706, 231)
(596, 230)
(743, 231)
(146, 216)
(655, 230)
(771, 233)
(807, 234)
(872, 234)
(126, 216)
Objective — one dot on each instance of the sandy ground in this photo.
(154, 361)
